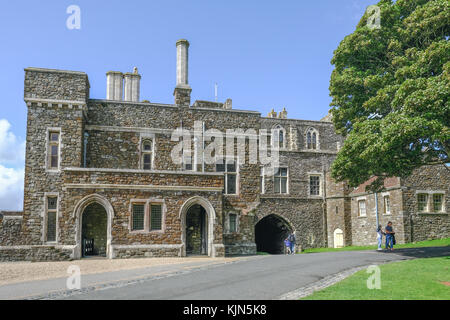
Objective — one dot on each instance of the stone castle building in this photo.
(100, 179)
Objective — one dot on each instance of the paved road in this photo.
(261, 277)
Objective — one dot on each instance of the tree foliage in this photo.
(390, 91)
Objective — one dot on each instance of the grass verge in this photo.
(419, 279)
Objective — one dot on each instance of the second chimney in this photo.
(132, 85)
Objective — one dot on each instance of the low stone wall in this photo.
(240, 249)
(34, 253)
(124, 252)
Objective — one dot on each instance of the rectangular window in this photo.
(422, 202)
(438, 202)
(387, 205)
(362, 208)
(138, 217)
(314, 185)
(233, 222)
(52, 203)
(155, 217)
(53, 150)
(280, 180)
(230, 170)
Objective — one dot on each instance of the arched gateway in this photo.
(270, 233)
(93, 215)
(197, 217)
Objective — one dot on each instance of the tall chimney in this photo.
(132, 86)
(114, 85)
(182, 91)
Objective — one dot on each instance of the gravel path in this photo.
(15, 272)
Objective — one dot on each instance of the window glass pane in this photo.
(51, 203)
(233, 226)
(54, 161)
(281, 140)
(422, 202)
(147, 161)
(387, 205)
(308, 138)
(138, 217)
(54, 136)
(277, 172)
(314, 185)
(283, 185)
(283, 172)
(231, 166)
(51, 226)
(231, 184)
(276, 184)
(437, 202)
(362, 208)
(147, 146)
(220, 167)
(156, 217)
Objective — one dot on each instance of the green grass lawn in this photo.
(419, 279)
(421, 244)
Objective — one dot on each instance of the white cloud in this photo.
(12, 158)
(11, 188)
(12, 151)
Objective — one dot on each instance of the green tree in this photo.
(390, 91)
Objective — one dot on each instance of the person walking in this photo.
(390, 234)
(292, 239)
(287, 245)
(380, 234)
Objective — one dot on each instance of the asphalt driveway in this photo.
(259, 277)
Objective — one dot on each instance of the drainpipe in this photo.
(376, 209)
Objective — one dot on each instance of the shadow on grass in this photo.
(425, 252)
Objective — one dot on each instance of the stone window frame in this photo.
(287, 180)
(430, 198)
(147, 206)
(312, 130)
(275, 135)
(142, 138)
(358, 201)
(320, 175)
(386, 195)
(44, 216)
(47, 149)
(225, 173)
(227, 222)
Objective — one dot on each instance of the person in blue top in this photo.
(292, 239)
(389, 236)
(287, 243)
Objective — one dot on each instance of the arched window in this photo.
(147, 148)
(279, 136)
(312, 139)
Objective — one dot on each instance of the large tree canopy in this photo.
(390, 90)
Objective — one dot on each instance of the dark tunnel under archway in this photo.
(270, 233)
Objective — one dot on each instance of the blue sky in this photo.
(263, 55)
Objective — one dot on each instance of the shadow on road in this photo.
(429, 252)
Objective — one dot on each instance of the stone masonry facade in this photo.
(102, 170)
